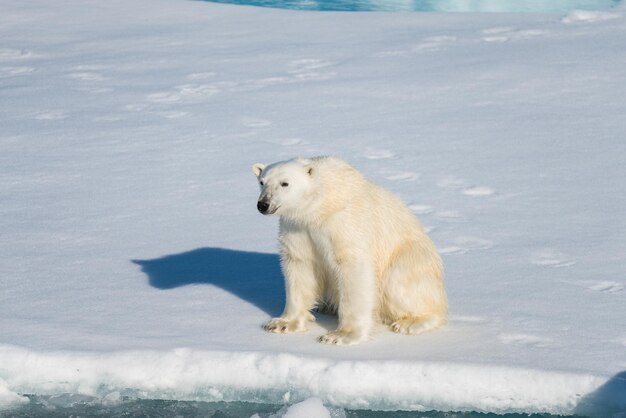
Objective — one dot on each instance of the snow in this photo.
(589, 16)
(8, 398)
(312, 407)
(187, 374)
(133, 261)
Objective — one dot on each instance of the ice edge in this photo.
(186, 374)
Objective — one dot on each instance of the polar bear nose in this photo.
(262, 206)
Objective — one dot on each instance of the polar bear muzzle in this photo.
(263, 206)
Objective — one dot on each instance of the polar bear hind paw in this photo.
(414, 325)
(341, 338)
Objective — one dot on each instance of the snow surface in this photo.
(312, 407)
(133, 261)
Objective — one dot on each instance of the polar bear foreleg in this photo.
(357, 300)
(302, 290)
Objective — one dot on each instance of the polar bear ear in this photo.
(258, 168)
(308, 165)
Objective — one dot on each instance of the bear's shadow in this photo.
(253, 277)
(609, 400)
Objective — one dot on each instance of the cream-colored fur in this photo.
(350, 246)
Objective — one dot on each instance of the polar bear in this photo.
(350, 247)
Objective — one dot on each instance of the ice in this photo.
(312, 407)
(133, 262)
(8, 398)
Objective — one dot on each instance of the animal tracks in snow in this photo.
(434, 43)
(401, 176)
(602, 286)
(527, 340)
(492, 35)
(429, 44)
(421, 209)
(506, 34)
(13, 55)
(550, 257)
(452, 182)
(478, 191)
(6, 72)
(457, 183)
(452, 249)
(159, 103)
(297, 71)
(185, 92)
(378, 154)
(605, 286)
(51, 115)
(7, 54)
(87, 76)
(255, 122)
(201, 76)
(462, 245)
(203, 85)
(450, 216)
(588, 16)
(310, 69)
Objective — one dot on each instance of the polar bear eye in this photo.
(261, 183)
(284, 184)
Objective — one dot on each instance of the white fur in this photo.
(348, 245)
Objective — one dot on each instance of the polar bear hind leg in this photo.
(414, 298)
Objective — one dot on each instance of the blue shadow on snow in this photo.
(609, 400)
(253, 277)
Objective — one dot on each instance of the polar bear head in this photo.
(286, 186)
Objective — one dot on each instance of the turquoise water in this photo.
(513, 6)
(78, 406)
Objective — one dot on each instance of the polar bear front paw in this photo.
(341, 338)
(284, 326)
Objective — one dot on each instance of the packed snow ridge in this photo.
(185, 374)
